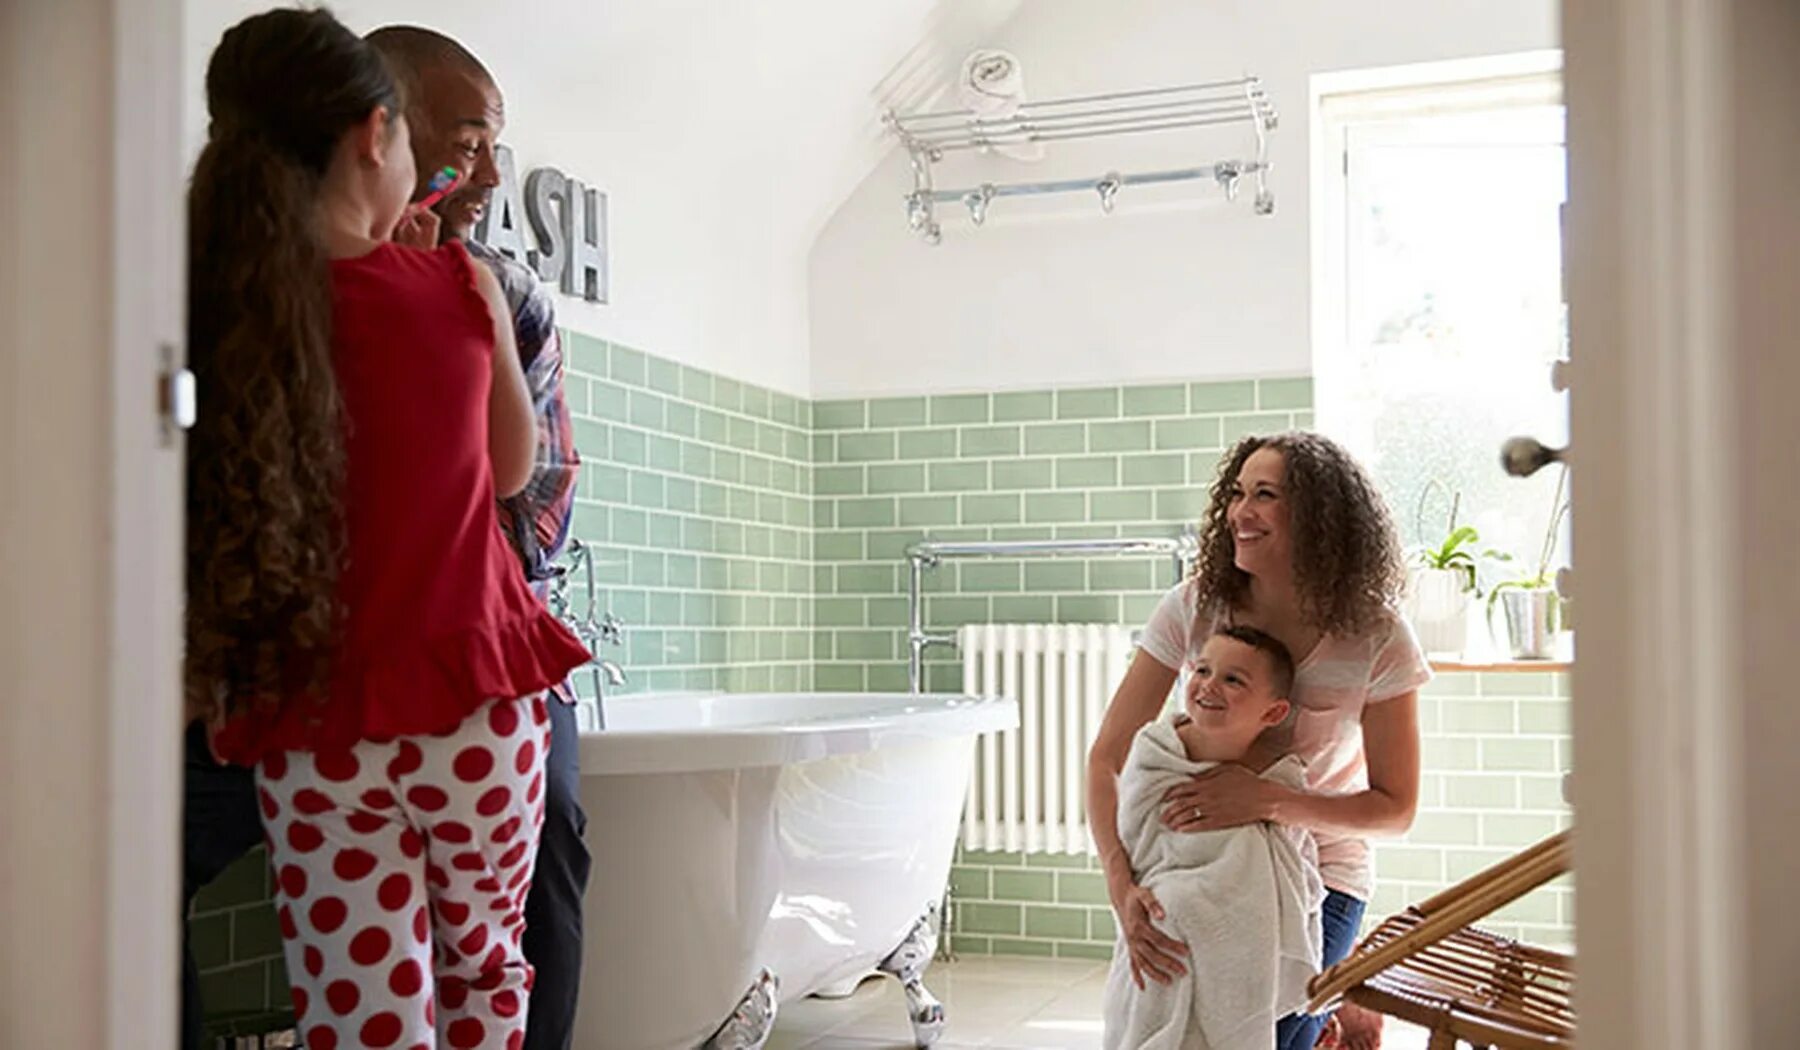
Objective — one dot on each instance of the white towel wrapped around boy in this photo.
(1244, 900)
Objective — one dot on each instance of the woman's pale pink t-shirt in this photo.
(1332, 685)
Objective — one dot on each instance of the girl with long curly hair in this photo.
(357, 628)
(1296, 543)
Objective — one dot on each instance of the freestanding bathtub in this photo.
(803, 837)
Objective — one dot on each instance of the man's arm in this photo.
(548, 500)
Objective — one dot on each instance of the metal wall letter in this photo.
(584, 220)
(546, 189)
(502, 224)
(566, 245)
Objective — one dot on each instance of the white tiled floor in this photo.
(1019, 1004)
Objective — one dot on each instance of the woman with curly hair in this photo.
(357, 628)
(1297, 543)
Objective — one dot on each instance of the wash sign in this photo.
(557, 226)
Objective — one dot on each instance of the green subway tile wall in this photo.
(1094, 462)
(697, 497)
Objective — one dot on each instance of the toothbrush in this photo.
(439, 187)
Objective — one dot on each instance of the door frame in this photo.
(90, 594)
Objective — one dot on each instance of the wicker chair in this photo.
(1428, 966)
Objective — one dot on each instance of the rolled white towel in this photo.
(992, 86)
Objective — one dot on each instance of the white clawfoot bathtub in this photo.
(802, 834)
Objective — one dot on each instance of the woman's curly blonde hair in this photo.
(1347, 562)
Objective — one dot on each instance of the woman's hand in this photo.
(418, 228)
(1227, 796)
(1154, 954)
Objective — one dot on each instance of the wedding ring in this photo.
(1197, 814)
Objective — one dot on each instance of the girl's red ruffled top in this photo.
(437, 617)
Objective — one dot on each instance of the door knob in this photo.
(1522, 456)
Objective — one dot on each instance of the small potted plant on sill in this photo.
(1534, 611)
(1442, 582)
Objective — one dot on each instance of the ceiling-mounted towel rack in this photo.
(929, 137)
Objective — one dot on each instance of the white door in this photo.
(1684, 282)
(90, 536)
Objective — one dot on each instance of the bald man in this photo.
(456, 113)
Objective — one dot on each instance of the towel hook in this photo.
(1108, 188)
(977, 201)
(1228, 172)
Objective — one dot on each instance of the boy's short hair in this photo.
(1281, 662)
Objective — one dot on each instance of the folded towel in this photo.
(992, 86)
(1245, 900)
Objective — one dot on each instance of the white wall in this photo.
(723, 133)
(1193, 291)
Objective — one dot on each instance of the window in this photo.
(1439, 279)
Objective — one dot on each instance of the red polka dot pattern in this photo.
(327, 914)
(365, 823)
(466, 1034)
(494, 801)
(452, 831)
(503, 719)
(407, 979)
(371, 946)
(353, 865)
(312, 803)
(428, 798)
(407, 760)
(337, 766)
(383, 881)
(304, 837)
(382, 1030)
(293, 881)
(395, 891)
(473, 764)
(343, 996)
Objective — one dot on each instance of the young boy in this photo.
(1244, 900)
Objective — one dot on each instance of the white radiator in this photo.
(1029, 791)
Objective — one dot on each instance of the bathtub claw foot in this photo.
(907, 964)
(751, 1024)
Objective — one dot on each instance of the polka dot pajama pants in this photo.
(401, 873)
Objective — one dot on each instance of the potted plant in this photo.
(1534, 612)
(1442, 582)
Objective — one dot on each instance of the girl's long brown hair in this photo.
(1347, 563)
(265, 460)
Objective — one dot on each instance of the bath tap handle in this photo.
(615, 675)
(612, 630)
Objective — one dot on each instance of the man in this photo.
(456, 113)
